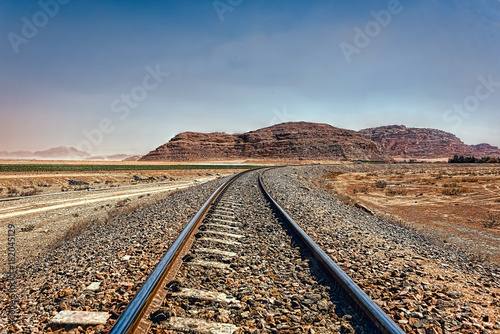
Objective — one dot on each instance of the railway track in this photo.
(242, 265)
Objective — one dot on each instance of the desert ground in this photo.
(456, 204)
(47, 209)
(451, 276)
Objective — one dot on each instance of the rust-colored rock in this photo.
(402, 142)
(293, 140)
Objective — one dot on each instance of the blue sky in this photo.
(93, 74)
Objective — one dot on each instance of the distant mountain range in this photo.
(64, 153)
(421, 143)
(292, 141)
(316, 141)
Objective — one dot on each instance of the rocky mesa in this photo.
(288, 141)
(422, 143)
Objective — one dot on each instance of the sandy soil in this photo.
(460, 205)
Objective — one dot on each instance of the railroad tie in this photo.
(220, 241)
(231, 235)
(216, 252)
(234, 228)
(199, 326)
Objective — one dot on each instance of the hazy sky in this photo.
(126, 76)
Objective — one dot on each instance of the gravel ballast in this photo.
(116, 255)
(423, 286)
(268, 283)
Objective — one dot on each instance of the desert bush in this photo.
(30, 192)
(469, 179)
(455, 191)
(425, 180)
(450, 185)
(76, 230)
(381, 184)
(333, 174)
(429, 181)
(12, 191)
(123, 202)
(362, 189)
(492, 221)
(28, 228)
(394, 191)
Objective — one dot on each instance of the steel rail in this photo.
(135, 310)
(377, 316)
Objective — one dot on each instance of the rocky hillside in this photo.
(420, 143)
(293, 140)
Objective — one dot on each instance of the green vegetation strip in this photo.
(107, 168)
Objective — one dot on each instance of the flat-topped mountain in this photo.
(402, 142)
(291, 141)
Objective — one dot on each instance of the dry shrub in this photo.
(123, 202)
(450, 185)
(28, 228)
(437, 176)
(424, 180)
(30, 192)
(12, 191)
(76, 230)
(455, 191)
(81, 226)
(395, 191)
(362, 189)
(332, 175)
(492, 221)
(429, 181)
(469, 179)
(381, 184)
